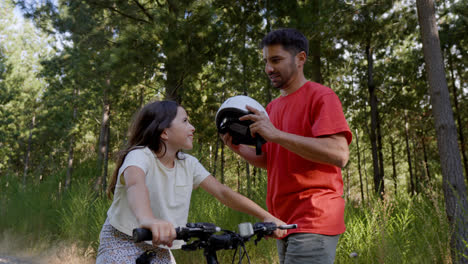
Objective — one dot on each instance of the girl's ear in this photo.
(164, 134)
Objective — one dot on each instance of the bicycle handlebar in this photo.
(205, 230)
(211, 242)
(291, 226)
(200, 230)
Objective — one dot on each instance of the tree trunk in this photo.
(68, 176)
(174, 82)
(174, 65)
(200, 150)
(426, 164)
(458, 115)
(378, 179)
(249, 180)
(216, 156)
(246, 89)
(315, 44)
(27, 155)
(379, 148)
(222, 164)
(452, 172)
(348, 183)
(408, 154)
(103, 142)
(239, 182)
(254, 175)
(416, 169)
(268, 29)
(359, 166)
(142, 95)
(394, 175)
(365, 172)
(106, 160)
(316, 75)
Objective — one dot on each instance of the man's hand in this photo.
(246, 152)
(262, 125)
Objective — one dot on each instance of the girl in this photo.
(152, 185)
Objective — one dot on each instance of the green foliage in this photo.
(82, 215)
(22, 47)
(38, 202)
(127, 53)
(401, 230)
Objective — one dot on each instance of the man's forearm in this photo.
(332, 150)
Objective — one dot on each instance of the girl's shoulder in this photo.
(140, 152)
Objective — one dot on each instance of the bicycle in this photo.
(208, 239)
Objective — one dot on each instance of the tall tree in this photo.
(359, 165)
(368, 28)
(453, 182)
(22, 47)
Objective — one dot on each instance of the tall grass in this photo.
(394, 230)
(47, 221)
(402, 230)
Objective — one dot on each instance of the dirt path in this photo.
(13, 250)
(14, 260)
(51, 259)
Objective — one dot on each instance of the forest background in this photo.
(72, 74)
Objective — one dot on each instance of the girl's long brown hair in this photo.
(145, 131)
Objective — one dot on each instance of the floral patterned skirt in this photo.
(117, 247)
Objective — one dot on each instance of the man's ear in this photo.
(164, 135)
(301, 58)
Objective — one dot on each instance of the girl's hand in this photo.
(163, 232)
(227, 140)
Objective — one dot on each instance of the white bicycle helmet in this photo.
(227, 121)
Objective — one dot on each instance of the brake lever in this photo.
(192, 246)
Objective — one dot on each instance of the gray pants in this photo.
(303, 248)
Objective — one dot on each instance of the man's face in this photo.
(280, 65)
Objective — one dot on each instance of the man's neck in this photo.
(293, 86)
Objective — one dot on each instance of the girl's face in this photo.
(180, 134)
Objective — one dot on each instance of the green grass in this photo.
(402, 230)
(396, 230)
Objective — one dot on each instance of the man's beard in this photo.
(288, 75)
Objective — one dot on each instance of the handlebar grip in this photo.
(142, 234)
(291, 226)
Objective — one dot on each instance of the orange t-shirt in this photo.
(301, 191)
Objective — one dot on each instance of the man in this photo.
(307, 145)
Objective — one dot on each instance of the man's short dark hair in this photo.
(291, 39)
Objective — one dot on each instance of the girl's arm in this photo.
(138, 199)
(240, 203)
